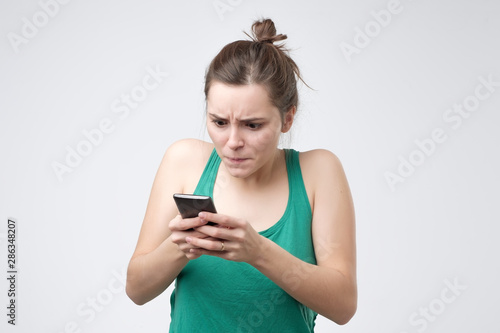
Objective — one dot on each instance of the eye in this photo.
(218, 122)
(254, 125)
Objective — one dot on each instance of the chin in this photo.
(238, 172)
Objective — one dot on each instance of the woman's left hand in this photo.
(232, 239)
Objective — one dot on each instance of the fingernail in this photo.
(188, 239)
(202, 215)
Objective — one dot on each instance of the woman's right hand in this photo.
(182, 228)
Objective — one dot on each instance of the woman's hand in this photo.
(232, 239)
(185, 228)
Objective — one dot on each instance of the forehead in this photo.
(241, 100)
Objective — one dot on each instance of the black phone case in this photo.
(190, 205)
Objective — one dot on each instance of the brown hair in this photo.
(258, 61)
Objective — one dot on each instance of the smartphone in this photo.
(190, 205)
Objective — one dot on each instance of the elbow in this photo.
(344, 314)
(132, 288)
(350, 305)
(133, 295)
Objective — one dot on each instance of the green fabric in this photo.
(216, 295)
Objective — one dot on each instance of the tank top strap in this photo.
(297, 189)
(207, 180)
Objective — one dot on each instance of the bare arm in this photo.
(329, 287)
(157, 261)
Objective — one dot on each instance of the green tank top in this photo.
(216, 295)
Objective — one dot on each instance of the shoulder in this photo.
(186, 160)
(319, 161)
(188, 150)
(322, 172)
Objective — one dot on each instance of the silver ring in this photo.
(222, 246)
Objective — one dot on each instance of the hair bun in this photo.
(264, 31)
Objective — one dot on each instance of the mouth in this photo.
(236, 160)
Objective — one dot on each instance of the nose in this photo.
(235, 140)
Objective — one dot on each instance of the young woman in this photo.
(283, 247)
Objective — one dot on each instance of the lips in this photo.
(236, 160)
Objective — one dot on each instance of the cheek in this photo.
(266, 139)
(217, 137)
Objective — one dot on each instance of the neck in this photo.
(264, 176)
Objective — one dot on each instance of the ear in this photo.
(288, 119)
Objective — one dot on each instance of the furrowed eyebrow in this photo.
(252, 120)
(247, 120)
(213, 115)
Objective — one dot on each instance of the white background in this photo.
(76, 235)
